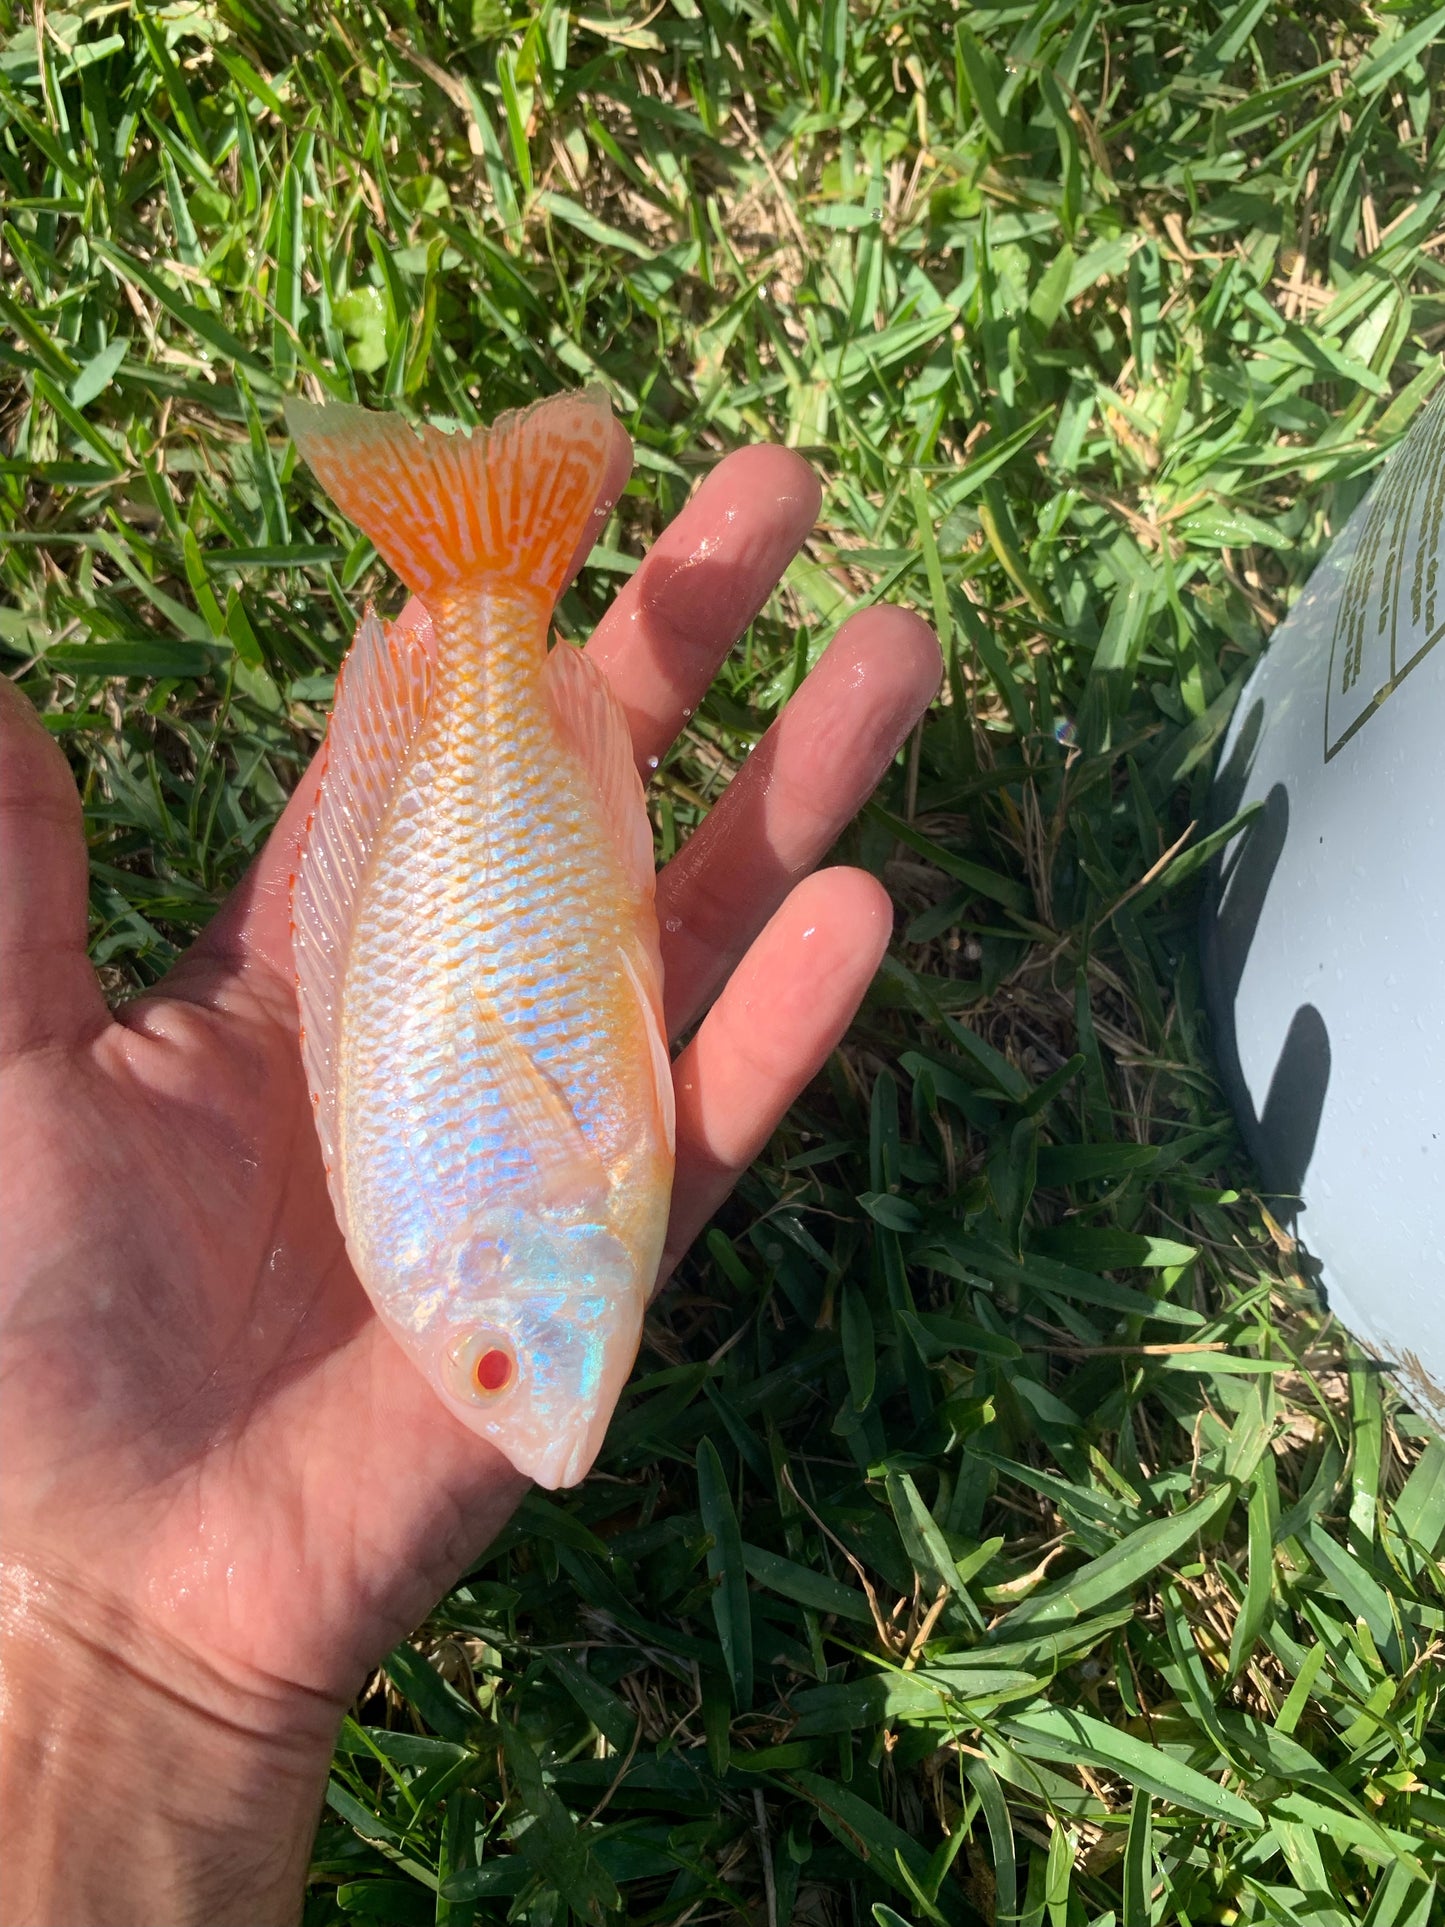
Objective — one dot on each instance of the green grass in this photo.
(993, 1530)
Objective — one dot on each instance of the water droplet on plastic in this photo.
(672, 925)
(652, 762)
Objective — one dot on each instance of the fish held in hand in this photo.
(475, 939)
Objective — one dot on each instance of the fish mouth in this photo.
(539, 1377)
(560, 1462)
(551, 1454)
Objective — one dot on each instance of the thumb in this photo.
(48, 991)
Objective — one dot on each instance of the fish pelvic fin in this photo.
(453, 514)
(643, 969)
(591, 722)
(381, 698)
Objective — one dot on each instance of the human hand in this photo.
(227, 1492)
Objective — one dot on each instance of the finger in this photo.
(702, 582)
(784, 809)
(253, 926)
(50, 991)
(784, 1008)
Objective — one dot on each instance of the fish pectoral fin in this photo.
(569, 1171)
(592, 724)
(381, 697)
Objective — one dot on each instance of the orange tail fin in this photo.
(452, 512)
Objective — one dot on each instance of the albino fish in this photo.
(475, 940)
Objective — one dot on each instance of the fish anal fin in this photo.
(381, 698)
(593, 725)
(569, 1172)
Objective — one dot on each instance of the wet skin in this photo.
(226, 1490)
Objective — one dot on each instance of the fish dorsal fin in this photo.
(643, 966)
(451, 513)
(569, 1171)
(381, 697)
(594, 727)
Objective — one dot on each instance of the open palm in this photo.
(215, 1458)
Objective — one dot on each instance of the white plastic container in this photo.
(1324, 942)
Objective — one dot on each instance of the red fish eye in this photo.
(493, 1370)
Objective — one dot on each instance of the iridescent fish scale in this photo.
(489, 1068)
(471, 885)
